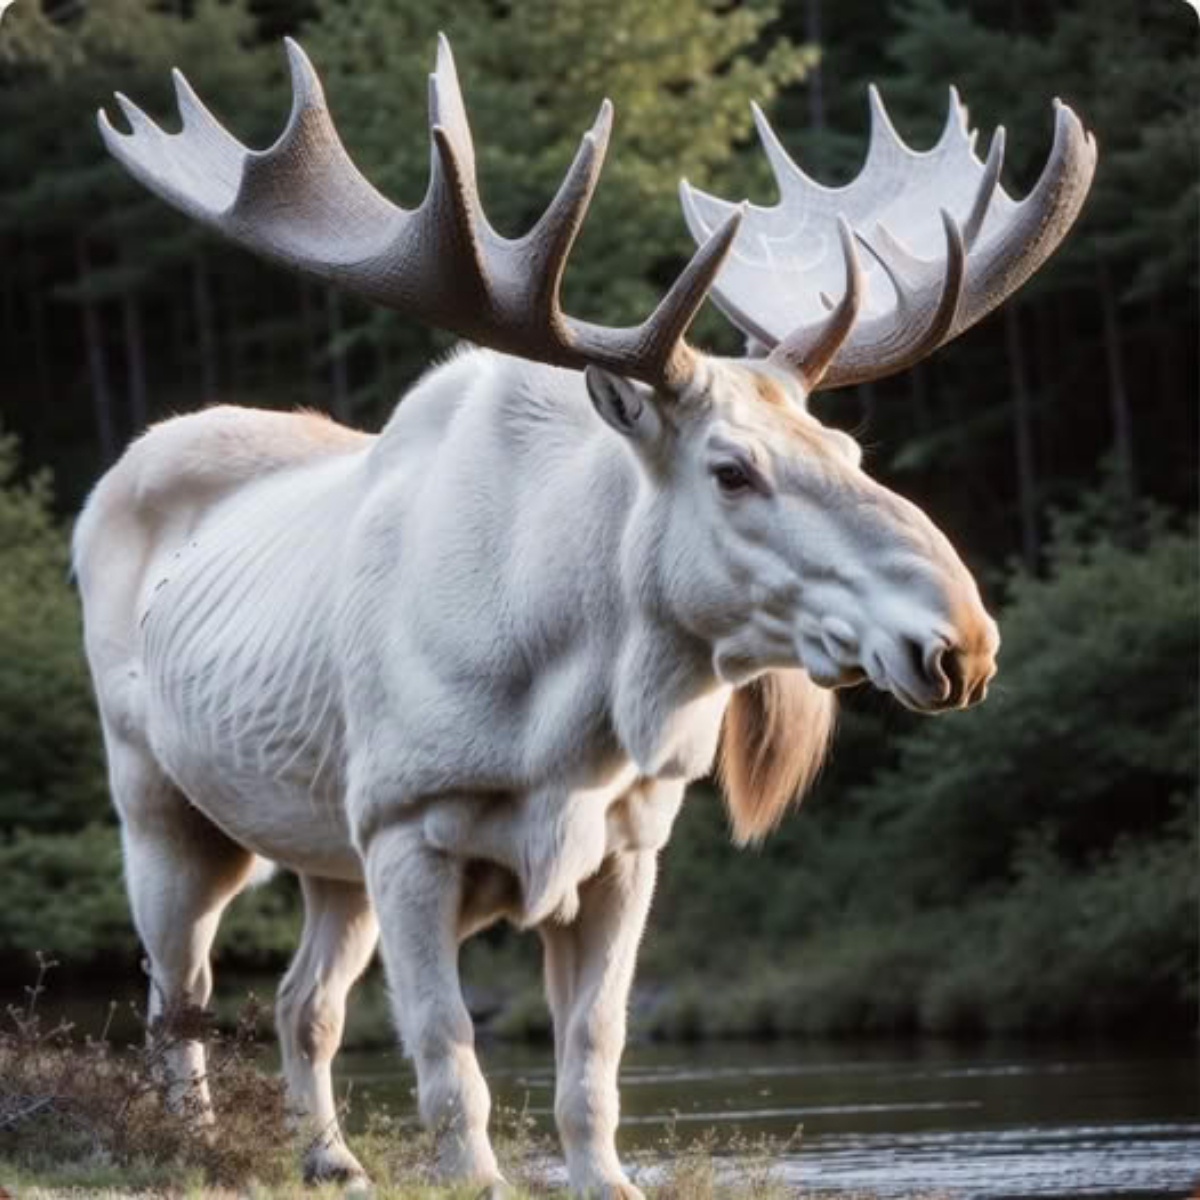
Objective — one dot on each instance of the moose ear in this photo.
(625, 404)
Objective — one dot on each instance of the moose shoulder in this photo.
(463, 670)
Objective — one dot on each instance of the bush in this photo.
(1090, 729)
(51, 762)
(64, 894)
(90, 1106)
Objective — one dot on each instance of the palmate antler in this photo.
(304, 204)
(946, 245)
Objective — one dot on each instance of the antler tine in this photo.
(661, 334)
(550, 241)
(925, 316)
(921, 291)
(886, 147)
(808, 351)
(1010, 254)
(987, 188)
(451, 215)
(790, 178)
(304, 204)
(226, 154)
(447, 108)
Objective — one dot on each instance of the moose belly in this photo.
(298, 828)
(259, 752)
(284, 807)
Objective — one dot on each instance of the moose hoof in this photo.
(335, 1164)
(617, 1191)
(499, 1189)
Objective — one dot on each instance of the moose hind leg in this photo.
(181, 872)
(339, 939)
(418, 896)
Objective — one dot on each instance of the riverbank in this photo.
(91, 1115)
(78, 1116)
(891, 1118)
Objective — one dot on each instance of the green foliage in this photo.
(63, 894)
(1109, 945)
(51, 768)
(1090, 731)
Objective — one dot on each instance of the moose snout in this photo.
(953, 675)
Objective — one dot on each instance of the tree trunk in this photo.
(206, 333)
(339, 402)
(918, 390)
(93, 335)
(816, 83)
(865, 393)
(313, 384)
(1018, 376)
(1118, 393)
(1047, 374)
(13, 287)
(40, 341)
(235, 339)
(1167, 355)
(135, 358)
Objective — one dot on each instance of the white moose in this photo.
(464, 670)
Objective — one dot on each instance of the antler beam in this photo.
(946, 245)
(305, 205)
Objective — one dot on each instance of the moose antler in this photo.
(304, 204)
(947, 242)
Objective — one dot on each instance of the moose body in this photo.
(463, 670)
(455, 609)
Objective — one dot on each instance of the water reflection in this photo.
(1000, 1120)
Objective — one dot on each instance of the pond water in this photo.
(885, 1117)
(893, 1118)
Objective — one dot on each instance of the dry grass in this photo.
(91, 1118)
(97, 1111)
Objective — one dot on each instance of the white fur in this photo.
(464, 670)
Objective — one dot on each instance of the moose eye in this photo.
(732, 478)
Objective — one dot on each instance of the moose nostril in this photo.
(919, 661)
(934, 663)
(941, 668)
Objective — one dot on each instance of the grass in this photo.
(90, 1116)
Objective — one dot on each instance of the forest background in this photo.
(1030, 865)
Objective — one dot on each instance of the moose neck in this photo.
(667, 701)
(570, 529)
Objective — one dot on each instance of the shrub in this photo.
(95, 1105)
(51, 762)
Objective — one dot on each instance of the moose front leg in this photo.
(417, 894)
(589, 969)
